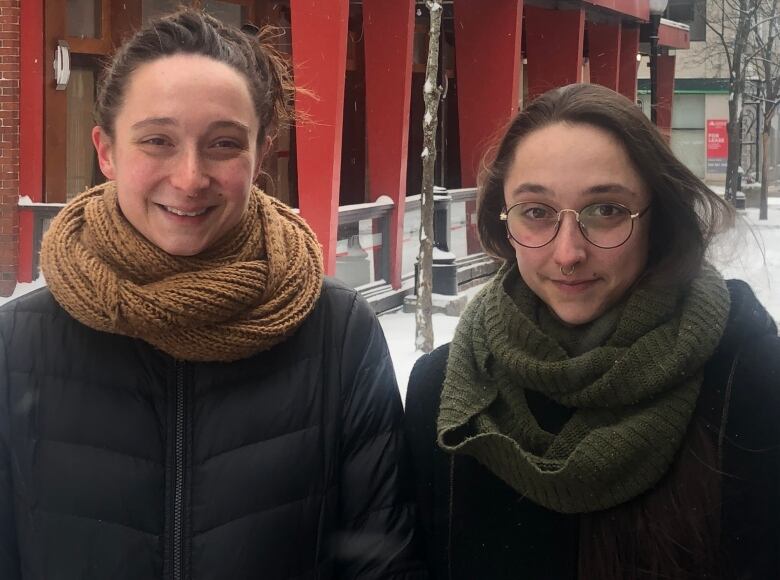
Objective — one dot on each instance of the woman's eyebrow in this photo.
(529, 187)
(169, 121)
(611, 188)
(227, 124)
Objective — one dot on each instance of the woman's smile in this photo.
(185, 213)
(574, 287)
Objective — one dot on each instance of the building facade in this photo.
(701, 96)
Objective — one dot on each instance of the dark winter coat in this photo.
(476, 526)
(117, 461)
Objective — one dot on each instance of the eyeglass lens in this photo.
(606, 225)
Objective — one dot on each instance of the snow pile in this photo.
(751, 252)
(400, 330)
(22, 289)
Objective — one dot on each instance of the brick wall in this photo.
(9, 142)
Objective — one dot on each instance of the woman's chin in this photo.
(575, 315)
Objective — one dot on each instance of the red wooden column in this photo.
(319, 64)
(389, 34)
(487, 45)
(629, 48)
(553, 43)
(665, 94)
(31, 117)
(604, 51)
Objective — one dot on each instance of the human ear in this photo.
(262, 151)
(103, 146)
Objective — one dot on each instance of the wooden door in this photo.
(92, 29)
(69, 162)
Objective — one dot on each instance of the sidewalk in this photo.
(752, 192)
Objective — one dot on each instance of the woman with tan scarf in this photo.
(190, 398)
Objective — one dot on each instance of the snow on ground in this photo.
(22, 289)
(751, 251)
(399, 331)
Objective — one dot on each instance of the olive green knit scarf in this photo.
(633, 397)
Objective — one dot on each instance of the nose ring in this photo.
(570, 271)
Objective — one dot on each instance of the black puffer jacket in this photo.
(117, 461)
(476, 526)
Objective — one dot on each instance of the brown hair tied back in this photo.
(192, 31)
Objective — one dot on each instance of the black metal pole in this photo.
(655, 22)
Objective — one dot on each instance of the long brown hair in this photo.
(672, 531)
(686, 213)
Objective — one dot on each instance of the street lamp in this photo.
(657, 8)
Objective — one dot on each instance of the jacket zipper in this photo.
(178, 485)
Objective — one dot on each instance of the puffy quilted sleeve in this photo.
(378, 515)
(9, 552)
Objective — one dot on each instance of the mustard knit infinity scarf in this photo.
(245, 294)
(633, 397)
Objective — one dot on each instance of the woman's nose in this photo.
(189, 173)
(570, 242)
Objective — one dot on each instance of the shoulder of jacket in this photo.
(758, 365)
(427, 377)
(338, 309)
(747, 380)
(335, 296)
(37, 302)
(748, 319)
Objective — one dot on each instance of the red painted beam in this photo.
(487, 43)
(319, 64)
(553, 41)
(629, 48)
(604, 51)
(31, 117)
(639, 9)
(672, 36)
(665, 94)
(389, 33)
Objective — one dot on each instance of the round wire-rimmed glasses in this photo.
(606, 225)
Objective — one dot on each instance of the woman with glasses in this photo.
(609, 407)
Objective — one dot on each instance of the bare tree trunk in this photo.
(734, 159)
(431, 95)
(763, 209)
(745, 13)
(770, 67)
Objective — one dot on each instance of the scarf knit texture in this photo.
(243, 295)
(632, 397)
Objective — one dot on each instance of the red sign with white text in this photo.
(717, 138)
(717, 145)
